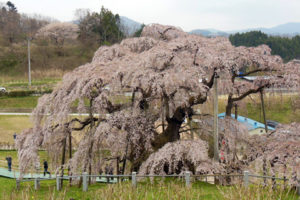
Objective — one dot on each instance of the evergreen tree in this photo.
(139, 32)
(11, 7)
(287, 48)
(102, 27)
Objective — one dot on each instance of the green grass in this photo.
(160, 189)
(44, 84)
(278, 108)
(24, 83)
(14, 155)
(28, 102)
(145, 190)
(12, 124)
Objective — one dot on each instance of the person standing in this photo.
(9, 162)
(107, 173)
(46, 168)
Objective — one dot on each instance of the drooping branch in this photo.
(210, 83)
(258, 70)
(85, 123)
(232, 99)
(251, 91)
(162, 34)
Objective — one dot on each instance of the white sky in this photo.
(187, 14)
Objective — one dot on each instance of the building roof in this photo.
(250, 123)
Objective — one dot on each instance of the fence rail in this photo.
(269, 177)
(187, 177)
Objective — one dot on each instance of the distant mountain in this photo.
(129, 26)
(288, 29)
(209, 32)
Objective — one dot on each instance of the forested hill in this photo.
(56, 47)
(287, 48)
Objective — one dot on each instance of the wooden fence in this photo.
(134, 179)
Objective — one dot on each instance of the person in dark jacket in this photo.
(9, 162)
(46, 168)
(107, 173)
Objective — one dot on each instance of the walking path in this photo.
(15, 174)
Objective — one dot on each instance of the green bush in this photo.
(20, 93)
(24, 93)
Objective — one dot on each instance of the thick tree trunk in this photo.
(171, 133)
(229, 105)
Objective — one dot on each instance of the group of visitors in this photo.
(109, 170)
(9, 164)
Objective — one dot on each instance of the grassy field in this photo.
(12, 124)
(278, 108)
(15, 163)
(28, 102)
(22, 84)
(161, 189)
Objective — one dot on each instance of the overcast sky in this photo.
(187, 14)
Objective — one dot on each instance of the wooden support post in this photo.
(236, 111)
(70, 154)
(263, 109)
(118, 168)
(63, 160)
(216, 134)
(298, 187)
(162, 114)
(125, 158)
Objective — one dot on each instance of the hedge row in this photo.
(24, 93)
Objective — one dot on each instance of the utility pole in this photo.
(216, 134)
(29, 64)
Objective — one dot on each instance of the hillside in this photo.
(129, 26)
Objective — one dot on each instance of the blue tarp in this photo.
(250, 123)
